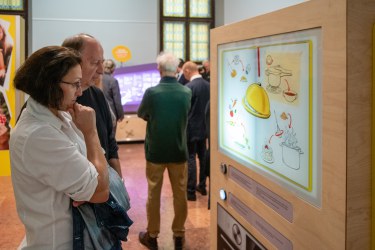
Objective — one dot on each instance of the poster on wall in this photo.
(269, 108)
(10, 30)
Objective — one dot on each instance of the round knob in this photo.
(223, 168)
(223, 194)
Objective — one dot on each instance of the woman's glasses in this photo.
(76, 84)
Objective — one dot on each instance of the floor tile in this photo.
(133, 168)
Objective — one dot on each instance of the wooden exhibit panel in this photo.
(373, 141)
(291, 114)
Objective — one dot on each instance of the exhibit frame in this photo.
(268, 69)
(343, 221)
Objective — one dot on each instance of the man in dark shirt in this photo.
(111, 92)
(206, 66)
(196, 130)
(180, 76)
(92, 68)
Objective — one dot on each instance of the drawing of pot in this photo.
(291, 156)
(274, 75)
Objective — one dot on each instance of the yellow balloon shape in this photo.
(121, 53)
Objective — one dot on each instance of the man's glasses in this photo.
(76, 84)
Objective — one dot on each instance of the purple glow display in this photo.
(133, 82)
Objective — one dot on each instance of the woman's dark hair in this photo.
(40, 75)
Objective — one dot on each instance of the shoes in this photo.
(152, 243)
(191, 197)
(179, 243)
(203, 191)
(148, 241)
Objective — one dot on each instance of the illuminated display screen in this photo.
(269, 108)
(133, 82)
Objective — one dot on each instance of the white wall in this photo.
(237, 10)
(133, 23)
(113, 22)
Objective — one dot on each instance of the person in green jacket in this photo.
(165, 107)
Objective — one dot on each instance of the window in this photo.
(185, 28)
(12, 5)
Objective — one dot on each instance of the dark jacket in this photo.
(182, 80)
(107, 223)
(94, 98)
(165, 108)
(111, 92)
(196, 129)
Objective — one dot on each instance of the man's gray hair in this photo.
(167, 62)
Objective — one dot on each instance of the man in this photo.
(165, 107)
(92, 68)
(196, 131)
(111, 92)
(206, 66)
(180, 76)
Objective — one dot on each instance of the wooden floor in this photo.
(133, 169)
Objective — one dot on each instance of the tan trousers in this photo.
(178, 176)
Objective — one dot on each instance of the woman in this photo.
(55, 151)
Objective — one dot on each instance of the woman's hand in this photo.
(84, 118)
